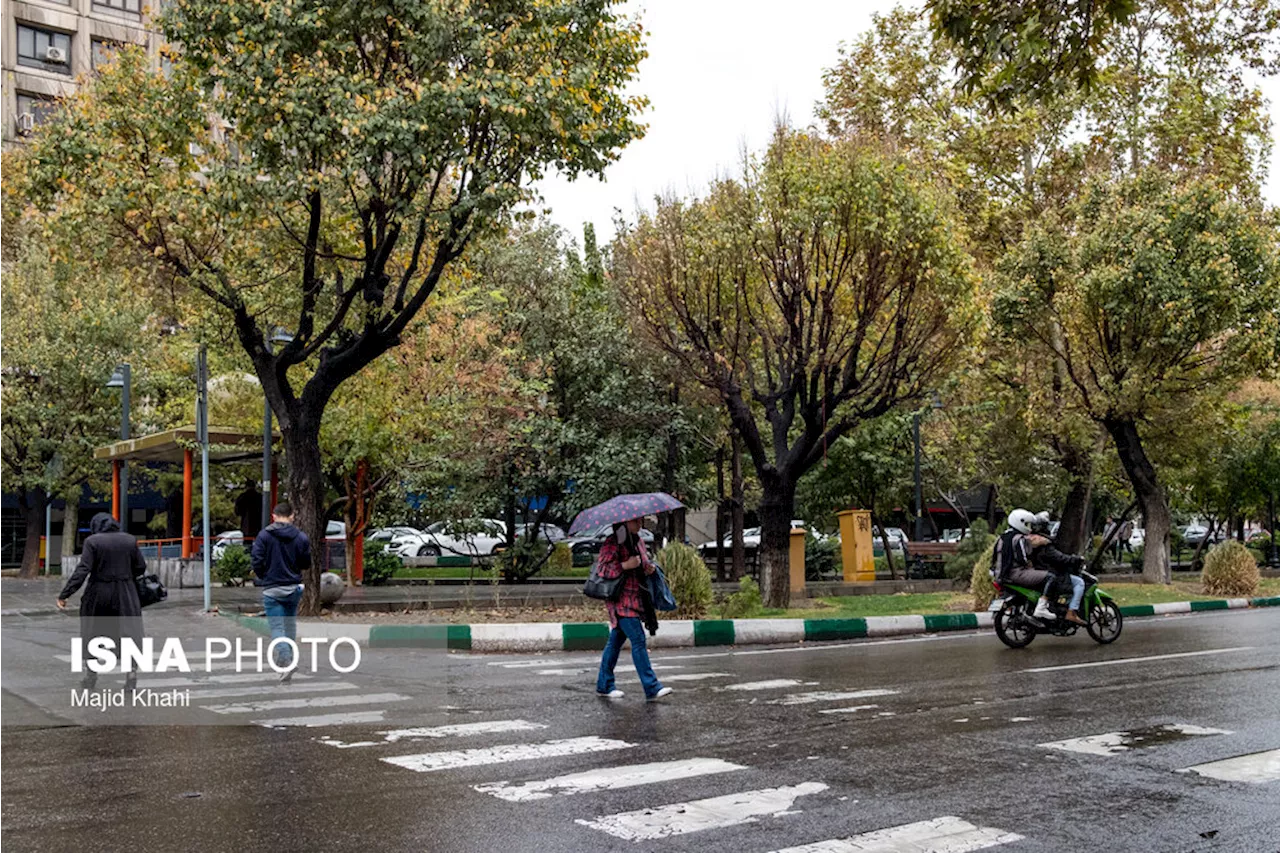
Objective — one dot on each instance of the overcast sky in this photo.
(718, 73)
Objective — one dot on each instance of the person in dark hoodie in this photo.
(281, 553)
(110, 564)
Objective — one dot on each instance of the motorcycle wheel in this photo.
(1105, 622)
(1011, 628)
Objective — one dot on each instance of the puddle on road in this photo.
(1112, 743)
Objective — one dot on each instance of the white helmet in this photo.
(1021, 520)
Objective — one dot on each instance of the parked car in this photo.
(546, 532)
(897, 538)
(476, 537)
(225, 539)
(750, 543)
(1194, 534)
(401, 541)
(585, 546)
(1137, 538)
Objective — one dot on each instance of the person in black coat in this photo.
(111, 563)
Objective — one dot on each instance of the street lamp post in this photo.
(122, 379)
(279, 337)
(915, 431)
(1273, 560)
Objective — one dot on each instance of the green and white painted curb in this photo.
(590, 636)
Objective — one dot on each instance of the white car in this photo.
(225, 539)
(750, 542)
(402, 541)
(468, 538)
(1137, 538)
(897, 538)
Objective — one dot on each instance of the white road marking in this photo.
(849, 709)
(940, 835)
(1114, 743)
(688, 676)
(585, 670)
(1257, 768)
(606, 779)
(304, 702)
(828, 696)
(697, 815)
(268, 689)
(429, 761)
(1119, 661)
(353, 718)
(765, 685)
(455, 730)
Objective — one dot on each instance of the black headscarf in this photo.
(104, 523)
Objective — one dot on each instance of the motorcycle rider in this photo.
(1062, 567)
(1011, 561)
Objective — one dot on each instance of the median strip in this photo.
(592, 636)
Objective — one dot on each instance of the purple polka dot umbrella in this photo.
(623, 508)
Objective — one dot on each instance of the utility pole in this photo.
(202, 435)
(915, 430)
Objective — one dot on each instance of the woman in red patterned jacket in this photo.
(624, 555)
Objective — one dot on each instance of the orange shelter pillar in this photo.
(188, 467)
(115, 489)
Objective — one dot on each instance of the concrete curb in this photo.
(591, 636)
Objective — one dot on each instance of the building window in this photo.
(132, 8)
(33, 111)
(101, 52)
(45, 49)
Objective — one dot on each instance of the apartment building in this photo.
(48, 46)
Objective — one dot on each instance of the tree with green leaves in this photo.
(69, 327)
(822, 289)
(357, 151)
(1150, 294)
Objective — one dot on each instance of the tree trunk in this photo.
(32, 504)
(1204, 543)
(70, 526)
(776, 509)
(884, 541)
(1073, 531)
(720, 511)
(307, 495)
(1156, 518)
(738, 489)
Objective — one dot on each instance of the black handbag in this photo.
(150, 590)
(602, 589)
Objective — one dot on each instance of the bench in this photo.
(927, 559)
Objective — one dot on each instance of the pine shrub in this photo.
(1230, 569)
(689, 579)
(980, 585)
(743, 603)
(379, 564)
(234, 566)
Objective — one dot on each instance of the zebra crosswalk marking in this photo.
(430, 761)
(304, 702)
(455, 730)
(697, 815)
(828, 696)
(607, 778)
(940, 835)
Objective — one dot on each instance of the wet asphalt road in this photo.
(949, 726)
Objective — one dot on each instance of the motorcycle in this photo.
(1016, 627)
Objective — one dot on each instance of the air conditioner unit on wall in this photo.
(26, 123)
(55, 54)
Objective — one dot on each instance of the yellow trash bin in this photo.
(855, 546)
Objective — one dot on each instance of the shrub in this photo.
(234, 566)
(689, 579)
(821, 557)
(980, 586)
(379, 564)
(1259, 556)
(959, 566)
(743, 603)
(1230, 570)
(561, 562)
(1135, 559)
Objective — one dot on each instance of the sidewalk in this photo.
(591, 636)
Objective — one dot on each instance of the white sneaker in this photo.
(1043, 611)
(666, 691)
(612, 694)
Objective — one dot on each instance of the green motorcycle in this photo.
(1016, 627)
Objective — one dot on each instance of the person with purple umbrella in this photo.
(630, 613)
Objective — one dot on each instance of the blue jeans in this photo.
(629, 628)
(1077, 592)
(282, 619)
